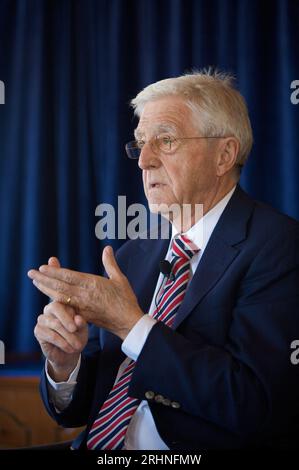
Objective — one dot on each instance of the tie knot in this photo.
(182, 247)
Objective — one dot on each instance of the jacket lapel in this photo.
(220, 252)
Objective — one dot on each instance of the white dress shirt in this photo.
(142, 433)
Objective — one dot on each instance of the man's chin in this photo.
(154, 207)
(164, 209)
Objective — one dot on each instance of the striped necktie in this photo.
(109, 429)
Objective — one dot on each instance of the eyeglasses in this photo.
(165, 144)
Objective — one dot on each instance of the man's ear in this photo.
(227, 155)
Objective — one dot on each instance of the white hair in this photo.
(218, 108)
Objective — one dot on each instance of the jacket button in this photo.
(149, 395)
(159, 398)
(166, 402)
(175, 404)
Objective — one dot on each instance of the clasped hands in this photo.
(108, 303)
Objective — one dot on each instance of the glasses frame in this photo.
(156, 149)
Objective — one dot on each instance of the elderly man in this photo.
(196, 356)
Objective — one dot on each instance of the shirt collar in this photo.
(201, 231)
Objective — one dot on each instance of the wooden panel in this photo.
(23, 418)
(13, 432)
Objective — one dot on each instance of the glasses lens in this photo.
(165, 143)
(132, 149)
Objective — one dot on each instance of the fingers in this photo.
(52, 293)
(61, 327)
(46, 335)
(63, 313)
(80, 322)
(54, 332)
(53, 288)
(66, 275)
(110, 263)
(54, 262)
(67, 316)
(63, 276)
(63, 284)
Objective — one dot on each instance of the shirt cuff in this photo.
(134, 342)
(72, 380)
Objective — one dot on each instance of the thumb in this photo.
(110, 264)
(54, 262)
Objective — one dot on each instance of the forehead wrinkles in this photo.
(173, 118)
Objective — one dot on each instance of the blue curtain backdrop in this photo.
(70, 69)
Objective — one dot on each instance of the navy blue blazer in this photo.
(226, 362)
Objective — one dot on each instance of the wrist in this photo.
(61, 373)
(123, 333)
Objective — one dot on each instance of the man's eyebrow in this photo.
(138, 133)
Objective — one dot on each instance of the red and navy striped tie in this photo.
(110, 427)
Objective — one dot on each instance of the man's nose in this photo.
(147, 158)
